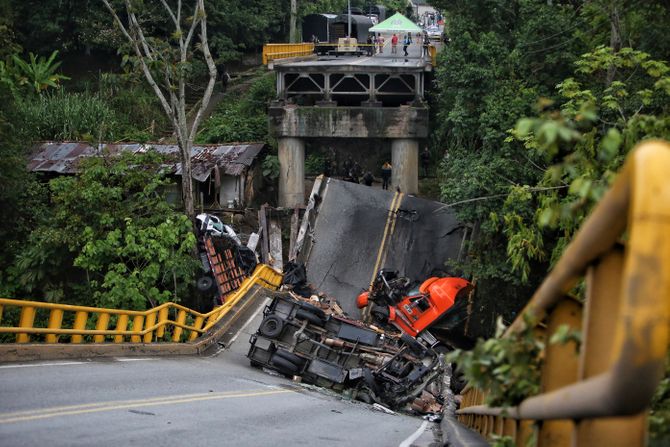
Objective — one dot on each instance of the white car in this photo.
(434, 33)
(212, 225)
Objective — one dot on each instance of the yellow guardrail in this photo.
(167, 322)
(598, 396)
(273, 51)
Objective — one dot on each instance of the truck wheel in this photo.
(284, 365)
(204, 283)
(271, 326)
(291, 357)
(309, 316)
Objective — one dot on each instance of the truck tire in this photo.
(291, 357)
(303, 314)
(283, 365)
(204, 284)
(271, 326)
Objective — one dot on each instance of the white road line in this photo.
(37, 365)
(89, 362)
(414, 436)
(248, 322)
(134, 359)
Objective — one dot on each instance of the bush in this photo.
(67, 116)
(242, 119)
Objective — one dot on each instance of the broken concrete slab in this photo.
(356, 230)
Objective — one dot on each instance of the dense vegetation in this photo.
(591, 79)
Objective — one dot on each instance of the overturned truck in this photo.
(327, 349)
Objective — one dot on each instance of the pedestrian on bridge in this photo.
(407, 42)
(370, 47)
(380, 41)
(394, 44)
(386, 174)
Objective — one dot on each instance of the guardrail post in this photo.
(55, 322)
(162, 318)
(560, 368)
(26, 320)
(151, 320)
(601, 316)
(101, 325)
(80, 319)
(138, 322)
(197, 324)
(181, 319)
(121, 325)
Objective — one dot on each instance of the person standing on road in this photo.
(407, 42)
(370, 45)
(380, 41)
(394, 44)
(386, 174)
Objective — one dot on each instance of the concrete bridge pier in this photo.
(405, 162)
(291, 172)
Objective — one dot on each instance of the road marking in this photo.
(8, 418)
(134, 359)
(414, 436)
(37, 365)
(248, 322)
(42, 365)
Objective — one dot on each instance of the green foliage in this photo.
(110, 240)
(38, 73)
(241, 119)
(135, 262)
(314, 164)
(585, 142)
(659, 429)
(67, 116)
(502, 441)
(508, 368)
(271, 167)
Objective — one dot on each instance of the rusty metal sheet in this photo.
(63, 157)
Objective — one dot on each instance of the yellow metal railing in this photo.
(167, 322)
(274, 51)
(597, 395)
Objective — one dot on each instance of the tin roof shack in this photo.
(225, 174)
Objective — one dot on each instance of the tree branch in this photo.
(212, 72)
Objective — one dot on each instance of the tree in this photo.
(109, 239)
(166, 67)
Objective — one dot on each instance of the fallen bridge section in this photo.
(352, 231)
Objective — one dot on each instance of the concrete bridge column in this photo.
(405, 161)
(291, 172)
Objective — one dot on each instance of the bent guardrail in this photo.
(598, 396)
(168, 322)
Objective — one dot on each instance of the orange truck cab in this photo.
(415, 310)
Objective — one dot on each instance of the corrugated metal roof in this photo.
(63, 157)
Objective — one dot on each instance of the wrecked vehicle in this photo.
(327, 349)
(225, 261)
(394, 300)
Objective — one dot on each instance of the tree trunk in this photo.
(615, 38)
(293, 29)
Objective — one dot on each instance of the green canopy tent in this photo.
(397, 23)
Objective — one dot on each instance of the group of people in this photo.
(351, 171)
(375, 43)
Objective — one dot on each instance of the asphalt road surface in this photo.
(204, 401)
